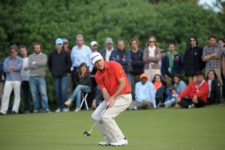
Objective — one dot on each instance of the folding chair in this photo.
(84, 100)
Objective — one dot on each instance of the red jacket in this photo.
(191, 90)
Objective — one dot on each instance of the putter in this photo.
(88, 132)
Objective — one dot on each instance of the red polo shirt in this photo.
(109, 76)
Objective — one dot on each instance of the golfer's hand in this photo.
(111, 101)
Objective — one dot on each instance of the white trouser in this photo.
(8, 87)
(107, 124)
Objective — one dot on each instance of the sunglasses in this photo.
(151, 41)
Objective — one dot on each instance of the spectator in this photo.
(80, 54)
(212, 56)
(160, 88)
(59, 65)
(12, 67)
(195, 94)
(25, 73)
(163, 63)
(1, 76)
(66, 47)
(122, 56)
(171, 99)
(94, 46)
(37, 66)
(137, 62)
(145, 93)
(214, 88)
(193, 59)
(107, 51)
(222, 44)
(174, 60)
(178, 87)
(84, 85)
(151, 58)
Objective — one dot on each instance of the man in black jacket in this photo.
(59, 64)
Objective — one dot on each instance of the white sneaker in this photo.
(123, 142)
(68, 102)
(66, 110)
(77, 109)
(58, 110)
(191, 106)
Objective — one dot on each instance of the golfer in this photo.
(116, 91)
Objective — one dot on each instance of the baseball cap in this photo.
(95, 56)
(144, 75)
(58, 41)
(93, 43)
(108, 40)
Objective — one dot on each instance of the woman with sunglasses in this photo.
(151, 58)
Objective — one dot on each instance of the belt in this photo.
(127, 93)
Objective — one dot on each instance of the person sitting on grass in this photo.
(178, 87)
(144, 93)
(197, 93)
(160, 88)
(214, 88)
(83, 85)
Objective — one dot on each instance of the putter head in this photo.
(87, 133)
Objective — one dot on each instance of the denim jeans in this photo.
(60, 90)
(77, 93)
(38, 91)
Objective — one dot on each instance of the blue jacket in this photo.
(177, 66)
(122, 57)
(137, 62)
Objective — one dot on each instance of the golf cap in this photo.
(58, 41)
(108, 40)
(93, 43)
(143, 76)
(95, 56)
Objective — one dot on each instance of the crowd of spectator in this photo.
(158, 77)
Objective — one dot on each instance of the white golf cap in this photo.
(95, 56)
(93, 43)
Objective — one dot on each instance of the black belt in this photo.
(128, 93)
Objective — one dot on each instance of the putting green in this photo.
(161, 129)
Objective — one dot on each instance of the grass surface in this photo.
(161, 129)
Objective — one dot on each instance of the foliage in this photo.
(24, 22)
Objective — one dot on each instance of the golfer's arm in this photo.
(122, 84)
(105, 94)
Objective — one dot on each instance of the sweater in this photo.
(37, 64)
(191, 90)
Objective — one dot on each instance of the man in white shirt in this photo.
(80, 54)
(25, 73)
(145, 93)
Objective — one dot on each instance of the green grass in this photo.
(161, 129)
